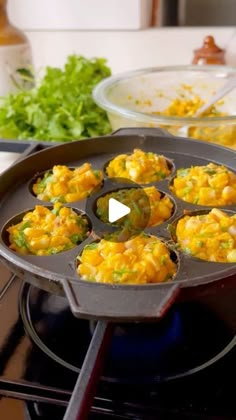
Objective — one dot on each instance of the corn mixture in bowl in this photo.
(210, 236)
(67, 185)
(210, 185)
(141, 167)
(186, 106)
(168, 97)
(142, 202)
(144, 259)
(48, 231)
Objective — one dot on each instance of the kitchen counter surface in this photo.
(6, 159)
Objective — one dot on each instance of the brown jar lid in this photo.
(209, 51)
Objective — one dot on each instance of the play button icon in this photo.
(116, 210)
(119, 210)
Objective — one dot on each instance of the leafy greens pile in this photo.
(60, 108)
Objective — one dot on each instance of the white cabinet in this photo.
(80, 14)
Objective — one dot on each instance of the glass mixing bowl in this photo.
(139, 98)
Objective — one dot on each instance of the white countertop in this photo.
(6, 159)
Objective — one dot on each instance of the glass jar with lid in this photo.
(209, 53)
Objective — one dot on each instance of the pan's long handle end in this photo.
(85, 387)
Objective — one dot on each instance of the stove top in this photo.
(42, 347)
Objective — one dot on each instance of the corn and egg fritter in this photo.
(141, 167)
(210, 237)
(45, 231)
(144, 203)
(143, 259)
(209, 185)
(67, 185)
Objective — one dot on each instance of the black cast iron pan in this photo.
(57, 273)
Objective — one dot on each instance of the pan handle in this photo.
(85, 388)
(123, 304)
(142, 131)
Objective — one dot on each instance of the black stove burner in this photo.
(187, 340)
(30, 374)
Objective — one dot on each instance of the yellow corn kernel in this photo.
(73, 197)
(40, 243)
(229, 194)
(34, 232)
(231, 256)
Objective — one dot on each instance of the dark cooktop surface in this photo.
(184, 340)
(42, 347)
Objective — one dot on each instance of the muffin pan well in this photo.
(146, 202)
(144, 259)
(207, 234)
(127, 302)
(65, 184)
(46, 230)
(139, 166)
(209, 185)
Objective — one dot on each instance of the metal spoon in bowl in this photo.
(226, 88)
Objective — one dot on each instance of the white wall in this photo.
(80, 14)
(125, 50)
(54, 28)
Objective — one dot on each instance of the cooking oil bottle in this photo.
(15, 56)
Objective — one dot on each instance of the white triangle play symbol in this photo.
(116, 210)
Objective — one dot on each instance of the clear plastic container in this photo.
(133, 99)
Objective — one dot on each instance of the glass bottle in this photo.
(15, 55)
